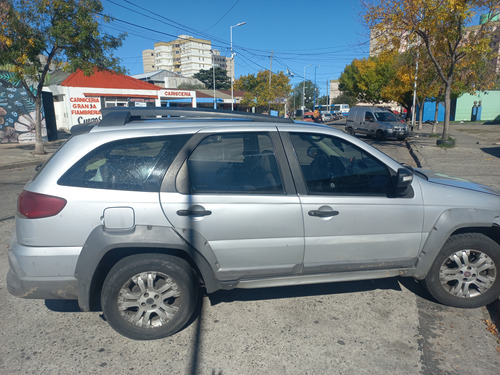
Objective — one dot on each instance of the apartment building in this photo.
(185, 56)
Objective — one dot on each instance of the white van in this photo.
(375, 121)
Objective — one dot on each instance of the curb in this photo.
(22, 164)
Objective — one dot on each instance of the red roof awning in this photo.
(106, 79)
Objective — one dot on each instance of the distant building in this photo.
(148, 60)
(185, 56)
(334, 90)
(165, 78)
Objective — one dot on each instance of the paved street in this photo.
(373, 327)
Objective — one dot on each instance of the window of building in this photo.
(110, 101)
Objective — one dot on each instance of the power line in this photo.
(225, 14)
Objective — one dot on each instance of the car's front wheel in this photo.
(149, 296)
(465, 273)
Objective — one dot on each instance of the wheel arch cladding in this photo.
(452, 221)
(104, 248)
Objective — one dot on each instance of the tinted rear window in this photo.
(137, 164)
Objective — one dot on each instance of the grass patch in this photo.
(448, 143)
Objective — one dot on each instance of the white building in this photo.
(185, 56)
(78, 99)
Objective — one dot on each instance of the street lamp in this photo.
(304, 89)
(232, 63)
(314, 101)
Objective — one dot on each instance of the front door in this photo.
(353, 220)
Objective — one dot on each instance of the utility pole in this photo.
(232, 62)
(270, 74)
(304, 89)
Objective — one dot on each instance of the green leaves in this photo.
(222, 81)
(36, 36)
(264, 90)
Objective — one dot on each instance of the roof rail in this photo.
(117, 116)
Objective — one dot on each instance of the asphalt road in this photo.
(388, 326)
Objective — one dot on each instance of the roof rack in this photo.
(118, 116)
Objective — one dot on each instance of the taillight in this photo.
(36, 206)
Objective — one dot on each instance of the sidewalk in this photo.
(475, 157)
(20, 155)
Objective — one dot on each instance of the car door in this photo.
(353, 218)
(233, 198)
(368, 121)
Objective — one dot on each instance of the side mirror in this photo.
(404, 179)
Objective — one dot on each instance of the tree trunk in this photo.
(420, 114)
(434, 127)
(39, 149)
(447, 109)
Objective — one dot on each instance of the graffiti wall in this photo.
(17, 112)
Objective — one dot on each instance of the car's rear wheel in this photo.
(350, 130)
(466, 271)
(149, 296)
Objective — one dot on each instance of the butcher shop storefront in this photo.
(79, 98)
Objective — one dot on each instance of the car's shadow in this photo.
(335, 288)
(226, 296)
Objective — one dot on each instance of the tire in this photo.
(149, 296)
(465, 272)
(379, 135)
(350, 130)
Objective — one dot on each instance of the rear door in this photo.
(233, 197)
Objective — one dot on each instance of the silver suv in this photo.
(137, 214)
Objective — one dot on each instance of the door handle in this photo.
(317, 213)
(194, 212)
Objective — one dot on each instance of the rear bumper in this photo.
(42, 273)
(41, 288)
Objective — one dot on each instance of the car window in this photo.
(137, 164)
(369, 116)
(233, 163)
(386, 116)
(331, 165)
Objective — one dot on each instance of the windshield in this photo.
(385, 116)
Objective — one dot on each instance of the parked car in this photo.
(375, 121)
(326, 117)
(139, 213)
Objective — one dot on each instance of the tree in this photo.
(365, 79)
(322, 100)
(38, 35)
(307, 90)
(191, 86)
(345, 98)
(222, 81)
(438, 25)
(264, 90)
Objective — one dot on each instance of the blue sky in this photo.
(297, 33)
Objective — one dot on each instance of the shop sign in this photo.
(179, 94)
(85, 109)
